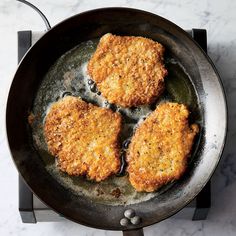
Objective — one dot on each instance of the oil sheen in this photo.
(68, 76)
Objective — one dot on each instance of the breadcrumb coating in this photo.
(129, 71)
(160, 147)
(84, 138)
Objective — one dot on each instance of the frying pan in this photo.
(91, 25)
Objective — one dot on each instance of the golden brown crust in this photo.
(128, 70)
(160, 147)
(84, 137)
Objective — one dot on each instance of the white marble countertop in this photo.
(218, 17)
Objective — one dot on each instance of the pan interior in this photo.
(68, 76)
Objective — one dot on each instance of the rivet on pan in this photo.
(129, 213)
(124, 222)
(135, 220)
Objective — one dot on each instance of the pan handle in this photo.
(39, 12)
(134, 232)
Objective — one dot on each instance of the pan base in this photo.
(68, 76)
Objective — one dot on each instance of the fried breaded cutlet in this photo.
(160, 147)
(129, 71)
(84, 138)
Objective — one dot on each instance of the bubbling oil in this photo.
(68, 77)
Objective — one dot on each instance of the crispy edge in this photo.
(64, 108)
(142, 182)
(142, 98)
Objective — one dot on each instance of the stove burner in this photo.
(32, 210)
